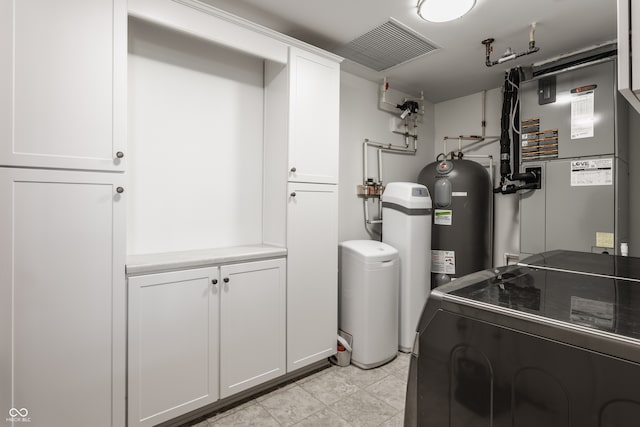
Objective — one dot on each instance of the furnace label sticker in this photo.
(591, 172)
(582, 114)
(591, 312)
(605, 240)
(442, 217)
(443, 262)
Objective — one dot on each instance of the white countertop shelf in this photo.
(155, 263)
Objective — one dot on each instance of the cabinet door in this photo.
(62, 297)
(312, 273)
(173, 344)
(314, 118)
(628, 42)
(634, 39)
(252, 324)
(63, 83)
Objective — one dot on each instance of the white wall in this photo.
(463, 116)
(195, 143)
(360, 118)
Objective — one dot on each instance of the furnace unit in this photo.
(573, 132)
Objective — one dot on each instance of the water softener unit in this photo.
(461, 233)
(406, 209)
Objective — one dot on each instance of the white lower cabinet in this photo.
(62, 298)
(173, 344)
(202, 334)
(252, 324)
(312, 275)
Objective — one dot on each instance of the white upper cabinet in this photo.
(63, 84)
(314, 106)
(628, 41)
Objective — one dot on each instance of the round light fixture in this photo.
(444, 10)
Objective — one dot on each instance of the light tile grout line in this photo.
(392, 370)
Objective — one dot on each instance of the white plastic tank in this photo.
(368, 298)
(406, 225)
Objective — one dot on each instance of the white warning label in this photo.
(443, 262)
(591, 172)
(582, 115)
(442, 217)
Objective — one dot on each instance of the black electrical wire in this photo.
(505, 126)
(510, 139)
(514, 78)
(514, 82)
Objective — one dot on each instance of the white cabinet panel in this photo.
(206, 22)
(62, 297)
(199, 140)
(173, 344)
(312, 288)
(314, 118)
(252, 324)
(628, 41)
(63, 83)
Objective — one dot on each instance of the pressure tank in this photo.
(461, 231)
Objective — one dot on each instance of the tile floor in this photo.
(332, 397)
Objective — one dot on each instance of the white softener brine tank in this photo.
(368, 283)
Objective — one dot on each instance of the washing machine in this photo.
(552, 341)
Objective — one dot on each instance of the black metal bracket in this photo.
(535, 176)
(532, 178)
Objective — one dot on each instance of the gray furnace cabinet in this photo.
(582, 135)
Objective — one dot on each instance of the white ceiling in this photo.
(457, 68)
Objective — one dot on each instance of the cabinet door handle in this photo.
(214, 281)
(293, 194)
(293, 169)
(225, 280)
(119, 190)
(119, 154)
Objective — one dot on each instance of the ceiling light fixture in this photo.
(444, 10)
